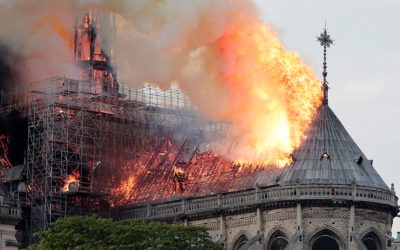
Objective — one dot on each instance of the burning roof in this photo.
(160, 174)
(4, 160)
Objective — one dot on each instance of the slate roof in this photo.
(208, 173)
(346, 164)
(14, 173)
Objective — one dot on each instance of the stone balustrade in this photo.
(186, 206)
(9, 211)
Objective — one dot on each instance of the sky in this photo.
(363, 67)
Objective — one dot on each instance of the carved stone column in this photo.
(299, 218)
(222, 228)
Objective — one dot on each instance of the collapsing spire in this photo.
(92, 54)
(325, 41)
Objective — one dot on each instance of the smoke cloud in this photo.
(210, 48)
(9, 67)
(35, 33)
(154, 39)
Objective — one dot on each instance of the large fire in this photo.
(272, 94)
(267, 94)
(161, 173)
(272, 97)
(71, 182)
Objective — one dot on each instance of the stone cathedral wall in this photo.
(285, 220)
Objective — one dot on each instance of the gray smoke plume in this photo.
(229, 63)
(10, 66)
(157, 42)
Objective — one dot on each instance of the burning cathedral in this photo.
(330, 197)
(95, 146)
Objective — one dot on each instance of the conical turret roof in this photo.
(330, 156)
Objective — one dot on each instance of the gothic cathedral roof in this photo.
(330, 156)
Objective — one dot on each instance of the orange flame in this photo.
(72, 179)
(4, 160)
(178, 170)
(272, 97)
(272, 94)
(125, 190)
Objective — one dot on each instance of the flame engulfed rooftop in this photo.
(328, 156)
(169, 170)
(257, 116)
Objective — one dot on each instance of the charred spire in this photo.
(91, 53)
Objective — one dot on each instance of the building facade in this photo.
(331, 197)
(10, 216)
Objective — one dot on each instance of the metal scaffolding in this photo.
(75, 128)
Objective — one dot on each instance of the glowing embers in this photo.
(152, 174)
(71, 183)
(4, 160)
(168, 169)
(179, 179)
(64, 113)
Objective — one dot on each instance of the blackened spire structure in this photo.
(93, 54)
(326, 41)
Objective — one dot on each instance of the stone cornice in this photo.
(9, 215)
(249, 200)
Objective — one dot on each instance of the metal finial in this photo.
(326, 41)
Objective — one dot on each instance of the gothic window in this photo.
(241, 241)
(325, 240)
(371, 241)
(277, 241)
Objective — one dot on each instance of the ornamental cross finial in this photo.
(326, 41)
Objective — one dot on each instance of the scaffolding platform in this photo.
(75, 128)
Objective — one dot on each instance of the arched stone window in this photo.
(277, 241)
(371, 241)
(325, 240)
(241, 241)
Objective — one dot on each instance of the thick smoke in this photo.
(218, 52)
(37, 33)
(160, 42)
(10, 66)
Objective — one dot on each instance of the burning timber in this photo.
(89, 150)
(92, 146)
(80, 140)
